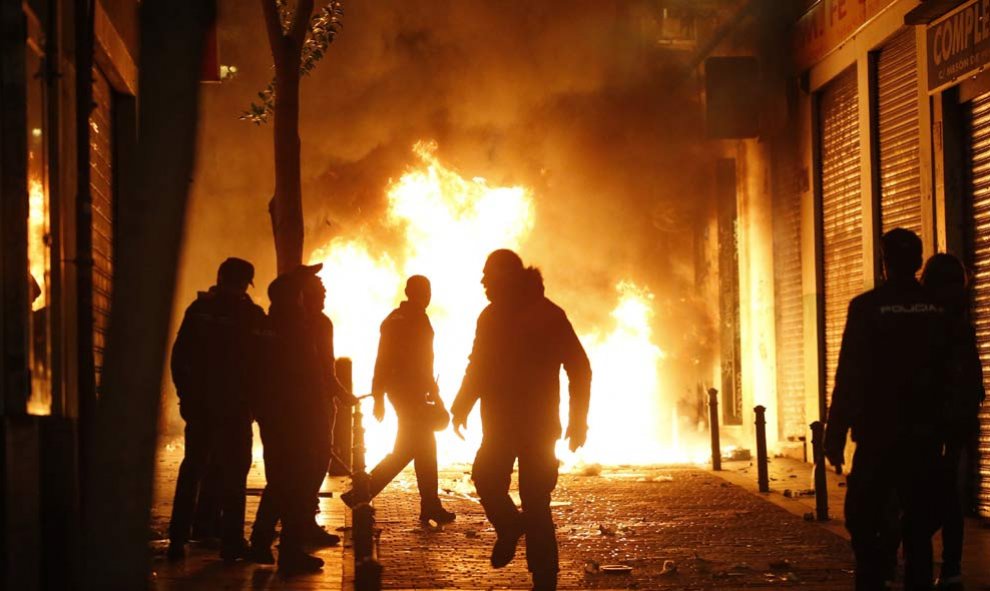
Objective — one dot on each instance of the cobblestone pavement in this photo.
(678, 528)
(204, 571)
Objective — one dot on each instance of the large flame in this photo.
(37, 239)
(449, 224)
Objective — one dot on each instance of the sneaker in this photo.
(951, 583)
(439, 515)
(260, 555)
(505, 548)
(235, 552)
(297, 563)
(176, 551)
(319, 537)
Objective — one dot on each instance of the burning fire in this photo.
(449, 225)
(37, 239)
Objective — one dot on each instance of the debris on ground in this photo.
(471, 534)
(807, 492)
(782, 565)
(809, 516)
(606, 530)
(616, 569)
(591, 567)
(669, 568)
(590, 470)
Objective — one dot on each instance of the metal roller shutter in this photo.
(102, 190)
(790, 316)
(898, 134)
(979, 238)
(842, 213)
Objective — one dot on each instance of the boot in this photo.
(545, 581)
(297, 562)
(505, 546)
(438, 514)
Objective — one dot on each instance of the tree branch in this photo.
(273, 24)
(300, 22)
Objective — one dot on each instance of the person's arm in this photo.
(184, 357)
(383, 367)
(470, 390)
(326, 355)
(578, 368)
(847, 396)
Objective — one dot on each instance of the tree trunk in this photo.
(285, 207)
(121, 451)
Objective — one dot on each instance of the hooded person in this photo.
(521, 341)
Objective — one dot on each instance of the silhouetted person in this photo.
(296, 420)
(522, 340)
(214, 352)
(889, 388)
(946, 277)
(404, 370)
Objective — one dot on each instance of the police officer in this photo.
(404, 369)
(216, 347)
(296, 420)
(522, 340)
(946, 277)
(889, 391)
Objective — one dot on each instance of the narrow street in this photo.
(675, 527)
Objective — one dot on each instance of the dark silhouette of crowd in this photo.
(232, 364)
(908, 388)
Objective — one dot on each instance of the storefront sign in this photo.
(958, 44)
(828, 24)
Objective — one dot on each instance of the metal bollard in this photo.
(821, 481)
(713, 427)
(761, 449)
(367, 570)
(340, 463)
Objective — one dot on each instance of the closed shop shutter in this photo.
(898, 134)
(979, 241)
(790, 315)
(842, 212)
(102, 190)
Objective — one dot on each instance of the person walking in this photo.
(214, 352)
(889, 390)
(521, 342)
(404, 370)
(946, 277)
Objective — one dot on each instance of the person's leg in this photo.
(537, 479)
(206, 523)
(952, 511)
(235, 462)
(194, 462)
(492, 474)
(868, 488)
(919, 489)
(295, 507)
(423, 448)
(390, 466)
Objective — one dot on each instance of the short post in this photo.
(367, 570)
(821, 480)
(761, 449)
(340, 462)
(713, 427)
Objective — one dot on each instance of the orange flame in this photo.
(449, 225)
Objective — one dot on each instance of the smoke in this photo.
(571, 98)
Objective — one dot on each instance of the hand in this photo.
(836, 457)
(576, 435)
(460, 422)
(379, 409)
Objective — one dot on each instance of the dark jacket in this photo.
(215, 353)
(404, 367)
(893, 371)
(514, 368)
(300, 383)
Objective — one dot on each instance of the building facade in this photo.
(68, 97)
